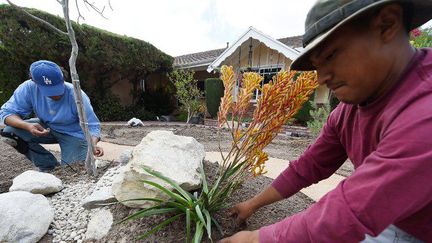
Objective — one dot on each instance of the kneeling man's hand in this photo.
(98, 151)
(37, 130)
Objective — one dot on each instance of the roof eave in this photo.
(255, 34)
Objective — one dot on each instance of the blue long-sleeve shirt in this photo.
(60, 115)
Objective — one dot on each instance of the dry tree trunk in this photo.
(90, 160)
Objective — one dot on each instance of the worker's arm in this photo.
(18, 106)
(245, 209)
(318, 162)
(34, 128)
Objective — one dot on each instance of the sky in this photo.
(180, 27)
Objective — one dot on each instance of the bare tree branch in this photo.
(79, 12)
(109, 4)
(95, 8)
(37, 18)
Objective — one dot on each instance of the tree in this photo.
(187, 92)
(90, 161)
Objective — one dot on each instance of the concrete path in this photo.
(274, 167)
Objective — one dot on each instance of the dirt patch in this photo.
(128, 232)
(283, 146)
(12, 164)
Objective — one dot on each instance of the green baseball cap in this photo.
(326, 16)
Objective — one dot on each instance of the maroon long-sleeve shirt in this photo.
(390, 144)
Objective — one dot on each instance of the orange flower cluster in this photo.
(251, 82)
(280, 100)
(226, 104)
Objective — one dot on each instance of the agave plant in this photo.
(280, 100)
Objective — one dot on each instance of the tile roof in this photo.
(207, 57)
(293, 41)
(197, 59)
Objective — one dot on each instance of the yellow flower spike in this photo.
(280, 100)
(251, 81)
(227, 76)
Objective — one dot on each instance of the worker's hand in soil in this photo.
(98, 151)
(37, 130)
(241, 211)
(242, 237)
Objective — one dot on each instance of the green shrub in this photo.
(187, 91)
(140, 112)
(10, 75)
(303, 115)
(421, 37)
(214, 91)
(109, 108)
(182, 116)
(318, 118)
(160, 102)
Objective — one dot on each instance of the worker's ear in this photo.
(388, 22)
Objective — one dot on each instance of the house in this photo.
(253, 51)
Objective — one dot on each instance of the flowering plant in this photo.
(421, 37)
(280, 99)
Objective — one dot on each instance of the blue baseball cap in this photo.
(48, 77)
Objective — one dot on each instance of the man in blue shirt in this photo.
(52, 100)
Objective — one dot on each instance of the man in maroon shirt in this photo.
(361, 51)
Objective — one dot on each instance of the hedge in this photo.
(214, 90)
(104, 57)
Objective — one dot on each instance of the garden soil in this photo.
(13, 163)
(176, 232)
(283, 146)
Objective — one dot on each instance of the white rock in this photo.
(100, 196)
(135, 122)
(25, 217)
(175, 157)
(99, 225)
(36, 182)
(125, 156)
(102, 163)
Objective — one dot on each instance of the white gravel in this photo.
(70, 218)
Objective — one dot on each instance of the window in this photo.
(267, 73)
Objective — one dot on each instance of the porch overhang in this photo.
(253, 33)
